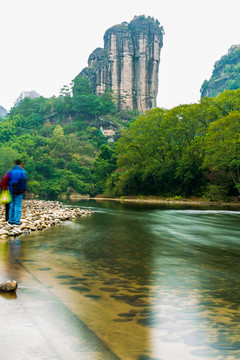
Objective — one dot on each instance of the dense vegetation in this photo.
(190, 150)
(225, 76)
(59, 140)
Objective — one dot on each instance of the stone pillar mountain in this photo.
(128, 64)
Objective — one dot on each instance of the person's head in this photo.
(18, 162)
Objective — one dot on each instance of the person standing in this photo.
(4, 185)
(17, 187)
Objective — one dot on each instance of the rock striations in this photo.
(129, 63)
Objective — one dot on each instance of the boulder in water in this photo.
(9, 286)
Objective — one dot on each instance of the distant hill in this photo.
(3, 111)
(31, 94)
(226, 74)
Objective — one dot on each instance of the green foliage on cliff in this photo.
(226, 74)
(223, 146)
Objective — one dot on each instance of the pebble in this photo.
(38, 215)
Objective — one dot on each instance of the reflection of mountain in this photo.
(3, 111)
(226, 74)
(31, 94)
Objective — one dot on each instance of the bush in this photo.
(215, 192)
(34, 187)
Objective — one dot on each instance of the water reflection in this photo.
(8, 296)
(150, 283)
(10, 254)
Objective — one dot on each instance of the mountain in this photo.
(226, 74)
(31, 94)
(3, 111)
(128, 64)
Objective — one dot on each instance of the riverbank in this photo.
(170, 201)
(39, 215)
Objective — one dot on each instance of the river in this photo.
(129, 282)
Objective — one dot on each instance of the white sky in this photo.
(46, 43)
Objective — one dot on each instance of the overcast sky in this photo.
(46, 43)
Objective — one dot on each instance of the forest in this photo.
(187, 151)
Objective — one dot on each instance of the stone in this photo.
(4, 232)
(38, 215)
(129, 64)
(9, 286)
(4, 236)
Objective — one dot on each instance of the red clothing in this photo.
(5, 182)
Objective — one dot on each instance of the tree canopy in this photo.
(189, 150)
(176, 151)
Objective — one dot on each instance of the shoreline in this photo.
(149, 200)
(39, 215)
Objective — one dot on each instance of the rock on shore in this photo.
(39, 215)
(9, 286)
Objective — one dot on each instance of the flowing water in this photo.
(129, 282)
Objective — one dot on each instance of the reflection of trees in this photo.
(11, 254)
(122, 255)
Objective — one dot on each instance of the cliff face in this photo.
(226, 74)
(129, 63)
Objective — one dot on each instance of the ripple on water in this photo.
(111, 290)
(93, 297)
(131, 313)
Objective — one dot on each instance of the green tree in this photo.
(58, 133)
(142, 153)
(104, 165)
(88, 104)
(7, 158)
(223, 146)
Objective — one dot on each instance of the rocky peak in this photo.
(129, 63)
(97, 56)
(31, 94)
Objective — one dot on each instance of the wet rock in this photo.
(9, 286)
(38, 215)
(4, 232)
(4, 236)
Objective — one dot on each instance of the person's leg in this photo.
(18, 208)
(11, 210)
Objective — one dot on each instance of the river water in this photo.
(129, 282)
